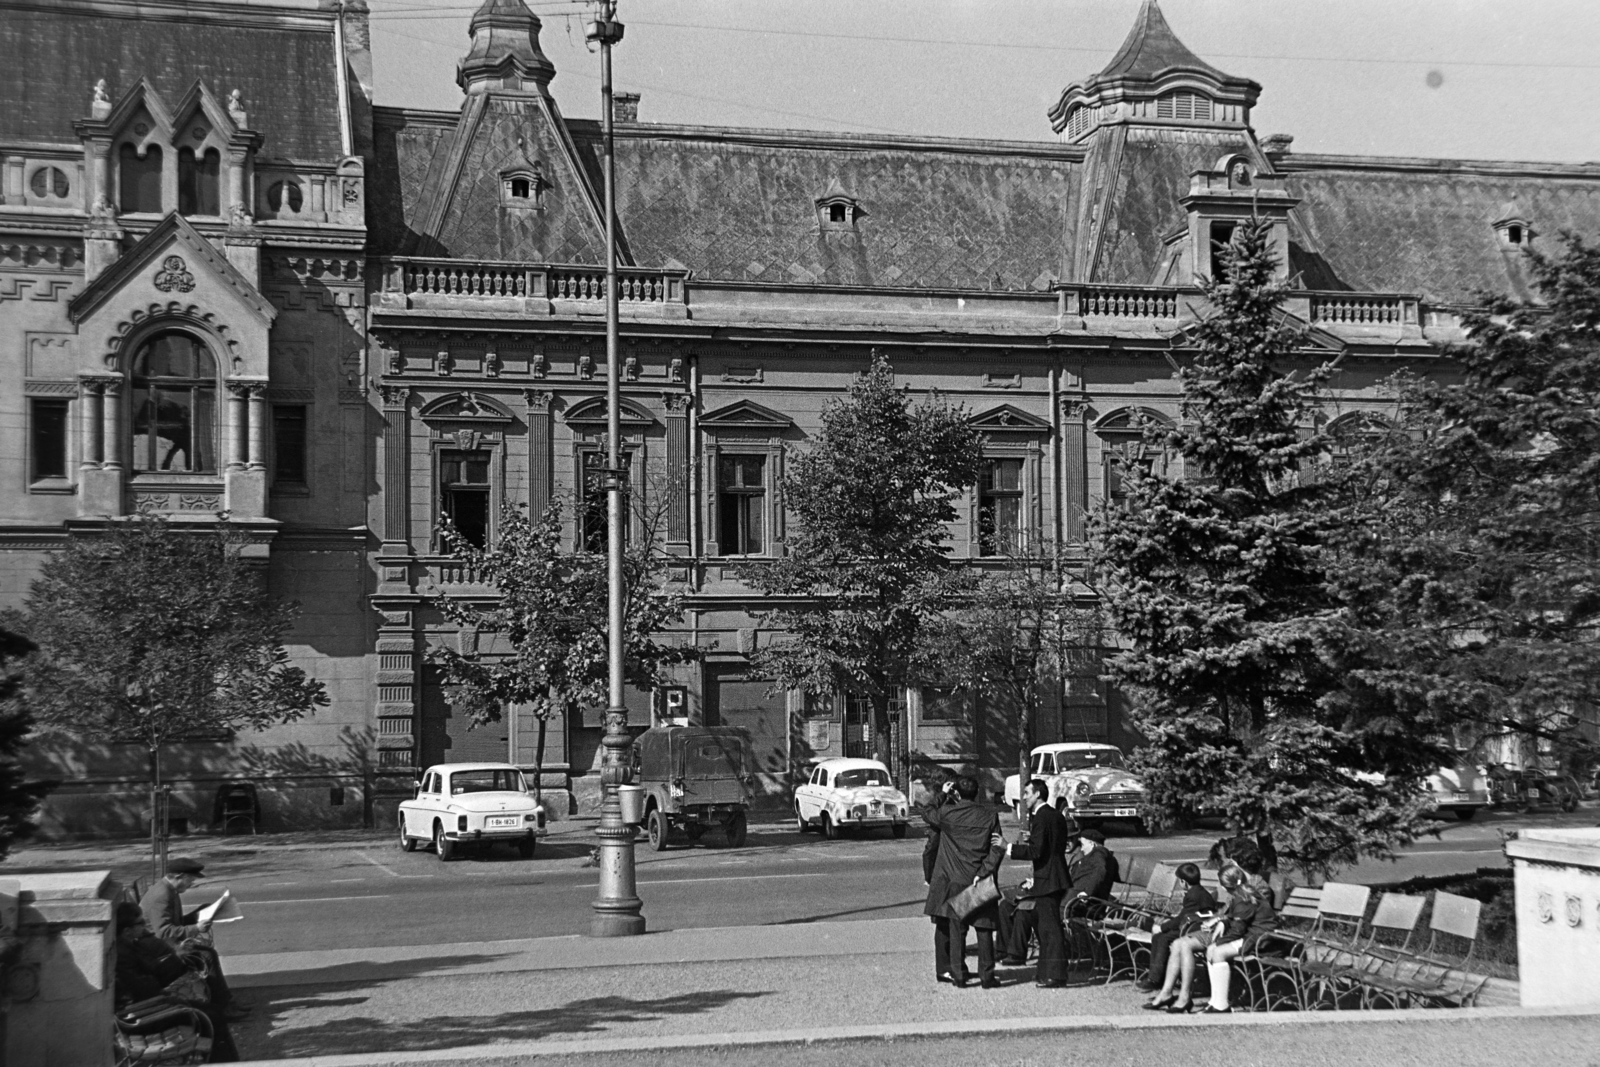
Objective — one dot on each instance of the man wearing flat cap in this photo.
(162, 905)
(1092, 870)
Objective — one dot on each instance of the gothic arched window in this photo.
(199, 177)
(139, 176)
(174, 406)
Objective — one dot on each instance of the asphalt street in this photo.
(371, 893)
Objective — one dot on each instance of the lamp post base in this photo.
(617, 908)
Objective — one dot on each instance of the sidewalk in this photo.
(671, 993)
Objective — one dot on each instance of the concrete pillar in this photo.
(1557, 876)
(59, 990)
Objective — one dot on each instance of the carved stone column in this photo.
(238, 454)
(541, 450)
(111, 423)
(677, 405)
(1074, 466)
(258, 430)
(89, 424)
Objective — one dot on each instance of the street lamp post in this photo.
(617, 906)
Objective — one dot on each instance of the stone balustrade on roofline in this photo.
(468, 287)
(311, 192)
(418, 283)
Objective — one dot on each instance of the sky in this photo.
(1469, 79)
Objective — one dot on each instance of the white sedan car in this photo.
(471, 803)
(1087, 781)
(854, 793)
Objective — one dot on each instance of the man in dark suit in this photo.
(1047, 839)
(162, 905)
(1093, 871)
(964, 849)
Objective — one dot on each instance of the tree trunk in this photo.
(158, 816)
(538, 760)
(883, 746)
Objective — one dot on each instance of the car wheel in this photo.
(526, 847)
(830, 829)
(407, 843)
(1141, 828)
(1466, 814)
(800, 823)
(1569, 802)
(898, 830)
(445, 847)
(737, 828)
(656, 827)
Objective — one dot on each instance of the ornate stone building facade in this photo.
(229, 281)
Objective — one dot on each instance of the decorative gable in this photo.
(746, 415)
(591, 414)
(466, 407)
(1006, 419)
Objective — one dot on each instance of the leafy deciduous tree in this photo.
(545, 631)
(872, 501)
(19, 798)
(152, 633)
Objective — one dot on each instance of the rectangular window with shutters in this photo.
(289, 445)
(464, 493)
(47, 439)
(593, 514)
(1000, 504)
(741, 505)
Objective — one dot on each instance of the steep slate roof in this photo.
(1427, 228)
(1151, 47)
(971, 215)
(284, 69)
(405, 144)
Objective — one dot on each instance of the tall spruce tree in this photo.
(872, 501)
(1473, 595)
(1215, 576)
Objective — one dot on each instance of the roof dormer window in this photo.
(523, 188)
(837, 209)
(1513, 229)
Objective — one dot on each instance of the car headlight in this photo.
(1083, 789)
(859, 811)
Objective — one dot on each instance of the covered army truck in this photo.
(694, 778)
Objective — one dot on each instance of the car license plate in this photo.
(1462, 794)
(1124, 813)
(503, 822)
(876, 807)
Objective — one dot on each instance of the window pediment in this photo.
(1006, 419)
(466, 407)
(591, 414)
(746, 415)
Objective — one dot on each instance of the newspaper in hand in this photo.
(222, 910)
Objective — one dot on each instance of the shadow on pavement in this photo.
(363, 1034)
(852, 911)
(359, 973)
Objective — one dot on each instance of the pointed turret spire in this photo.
(505, 51)
(1153, 76)
(1152, 48)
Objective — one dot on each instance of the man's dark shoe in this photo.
(1051, 983)
(1144, 985)
(990, 983)
(945, 977)
(1013, 961)
(959, 983)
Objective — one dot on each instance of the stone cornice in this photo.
(283, 14)
(1309, 162)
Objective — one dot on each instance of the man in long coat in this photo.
(964, 848)
(1049, 837)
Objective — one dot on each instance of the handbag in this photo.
(972, 898)
(190, 988)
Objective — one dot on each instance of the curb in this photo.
(512, 1053)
